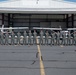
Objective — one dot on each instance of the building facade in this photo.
(38, 13)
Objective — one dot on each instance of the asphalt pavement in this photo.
(24, 60)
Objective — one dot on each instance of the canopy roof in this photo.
(37, 6)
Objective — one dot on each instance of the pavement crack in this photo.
(41, 58)
(62, 52)
(75, 50)
(37, 54)
(33, 62)
(13, 52)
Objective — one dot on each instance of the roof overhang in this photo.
(37, 10)
(60, 7)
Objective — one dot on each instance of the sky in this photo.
(72, 0)
(65, 0)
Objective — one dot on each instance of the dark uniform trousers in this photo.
(34, 40)
(29, 40)
(41, 40)
(25, 40)
(7, 39)
(2, 39)
(46, 40)
(12, 39)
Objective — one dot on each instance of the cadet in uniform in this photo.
(58, 38)
(6, 38)
(63, 39)
(2, 38)
(29, 37)
(34, 37)
(74, 38)
(46, 37)
(69, 38)
(53, 38)
(18, 37)
(41, 37)
(25, 38)
(12, 38)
